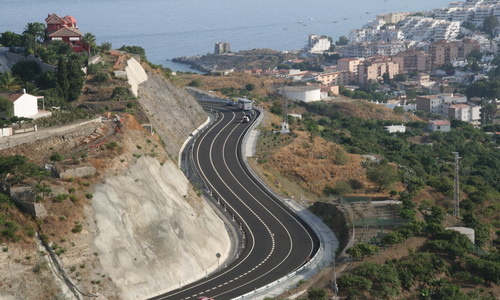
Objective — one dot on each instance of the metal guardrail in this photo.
(314, 260)
(321, 249)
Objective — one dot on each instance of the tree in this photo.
(6, 106)
(42, 190)
(36, 29)
(362, 250)
(135, 50)
(76, 78)
(90, 40)
(62, 77)
(382, 175)
(386, 78)
(195, 83)
(11, 39)
(488, 112)
(26, 70)
(399, 110)
(9, 82)
(106, 46)
(316, 294)
(343, 40)
(250, 87)
(489, 24)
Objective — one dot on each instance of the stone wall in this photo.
(37, 210)
(15, 58)
(336, 219)
(77, 172)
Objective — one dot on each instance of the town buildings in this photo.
(445, 52)
(454, 106)
(413, 61)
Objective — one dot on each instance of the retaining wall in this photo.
(15, 58)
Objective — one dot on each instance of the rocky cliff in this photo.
(173, 112)
(154, 232)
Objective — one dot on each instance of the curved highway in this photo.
(276, 241)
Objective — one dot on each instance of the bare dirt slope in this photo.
(173, 112)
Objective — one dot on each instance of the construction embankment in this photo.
(155, 233)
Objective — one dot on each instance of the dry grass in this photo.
(263, 85)
(310, 162)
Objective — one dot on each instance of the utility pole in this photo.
(456, 187)
(334, 283)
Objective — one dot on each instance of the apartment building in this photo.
(393, 18)
(444, 52)
(371, 49)
(318, 44)
(342, 77)
(413, 60)
(422, 29)
(465, 112)
(438, 104)
(374, 68)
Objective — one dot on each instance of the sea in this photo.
(173, 28)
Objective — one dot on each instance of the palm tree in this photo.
(36, 29)
(90, 40)
(31, 88)
(9, 82)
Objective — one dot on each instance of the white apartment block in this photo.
(372, 49)
(422, 29)
(474, 11)
(394, 18)
(465, 112)
(318, 44)
(453, 106)
(376, 35)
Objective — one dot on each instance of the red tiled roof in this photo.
(71, 19)
(53, 19)
(11, 96)
(66, 32)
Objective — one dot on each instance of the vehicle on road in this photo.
(245, 119)
(204, 298)
(245, 104)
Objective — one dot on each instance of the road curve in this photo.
(276, 241)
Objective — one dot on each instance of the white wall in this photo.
(304, 96)
(26, 106)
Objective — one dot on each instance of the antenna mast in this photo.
(456, 187)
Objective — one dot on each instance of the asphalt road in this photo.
(276, 241)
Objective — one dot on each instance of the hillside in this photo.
(130, 230)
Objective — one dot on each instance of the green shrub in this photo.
(78, 228)
(60, 198)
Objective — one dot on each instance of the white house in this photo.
(25, 105)
(395, 128)
(302, 93)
